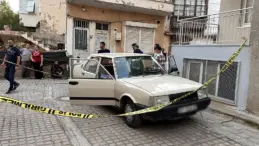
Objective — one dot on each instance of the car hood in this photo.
(163, 85)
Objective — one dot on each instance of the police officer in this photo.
(12, 56)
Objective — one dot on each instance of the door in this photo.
(101, 35)
(81, 39)
(91, 84)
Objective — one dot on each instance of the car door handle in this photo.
(73, 83)
(83, 73)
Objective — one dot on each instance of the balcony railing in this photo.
(222, 28)
(164, 1)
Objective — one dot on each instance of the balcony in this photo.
(151, 7)
(227, 27)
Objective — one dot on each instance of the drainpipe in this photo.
(68, 68)
(66, 29)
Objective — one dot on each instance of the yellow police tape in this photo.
(147, 110)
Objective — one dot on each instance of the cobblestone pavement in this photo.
(23, 127)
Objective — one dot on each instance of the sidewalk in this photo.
(232, 111)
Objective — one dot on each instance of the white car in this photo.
(132, 82)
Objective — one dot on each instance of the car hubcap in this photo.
(127, 110)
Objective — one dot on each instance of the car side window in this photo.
(106, 69)
(91, 66)
(103, 74)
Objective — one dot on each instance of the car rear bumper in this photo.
(178, 111)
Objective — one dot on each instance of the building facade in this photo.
(45, 19)
(117, 23)
(222, 36)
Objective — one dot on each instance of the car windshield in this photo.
(137, 66)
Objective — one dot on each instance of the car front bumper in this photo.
(173, 112)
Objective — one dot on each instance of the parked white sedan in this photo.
(132, 82)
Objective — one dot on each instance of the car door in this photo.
(95, 86)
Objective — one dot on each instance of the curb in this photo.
(246, 117)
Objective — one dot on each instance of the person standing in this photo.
(136, 48)
(26, 62)
(103, 49)
(159, 56)
(37, 62)
(11, 62)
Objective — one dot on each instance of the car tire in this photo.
(134, 121)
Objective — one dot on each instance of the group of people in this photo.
(159, 53)
(14, 57)
(29, 58)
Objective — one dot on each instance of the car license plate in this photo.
(187, 109)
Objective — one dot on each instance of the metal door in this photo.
(81, 39)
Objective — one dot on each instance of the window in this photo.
(246, 13)
(200, 8)
(190, 8)
(31, 6)
(81, 35)
(103, 74)
(224, 87)
(106, 69)
(80, 24)
(144, 37)
(196, 68)
(101, 26)
(108, 65)
(81, 39)
(91, 66)
(127, 67)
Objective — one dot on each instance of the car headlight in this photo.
(159, 100)
(203, 93)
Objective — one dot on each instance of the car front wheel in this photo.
(134, 121)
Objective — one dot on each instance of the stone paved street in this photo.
(23, 127)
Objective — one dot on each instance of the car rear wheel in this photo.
(134, 121)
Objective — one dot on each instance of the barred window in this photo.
(224, 87)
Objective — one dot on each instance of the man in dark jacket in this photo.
(11, 62)
(136, 49)
(103, 49)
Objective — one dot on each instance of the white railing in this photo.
(221, 28)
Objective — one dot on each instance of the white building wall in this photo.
(69, 36)
(219, 53)
(28, 19)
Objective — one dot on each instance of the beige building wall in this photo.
(231, 28)
(116, 19)
(53, 16)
